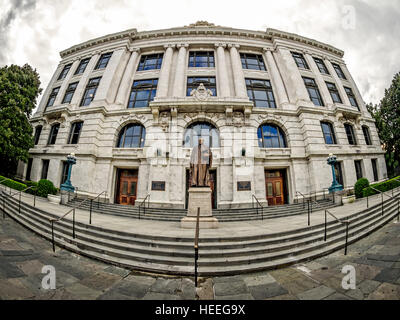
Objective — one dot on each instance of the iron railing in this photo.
(259, 205)
(19, 199)
(196, 246)
(344, 222)
(143, 204)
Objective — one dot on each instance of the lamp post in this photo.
(336, 186)
(67, 186)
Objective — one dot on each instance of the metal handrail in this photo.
(144, 204)
(258, 205)
(345, 222)
(19, 200)
(54, 220)
(196, 246)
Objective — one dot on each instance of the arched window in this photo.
(132, 136)
(271, 136)
(203, 130)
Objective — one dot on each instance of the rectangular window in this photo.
(45, 169)
(321, 66)
(75, 132)
(334, 92)
(103, 61)
(82, 66)
(90, 91)
(313, 91)
(201, 59)
(339, 71)
(28, 170)
(208, 82)
(142, 92)
(329, 135)
(359, 173)
(252, 61)
(339, 173)
(300, 61)
(53, 133)
(352, 97)
(64, 173)
(64, 72)
(367, 136)
(375, 169)
(38, 131)
(350, 134)
(52, 97)
(260, 92)
(150, 62)
(70, 92)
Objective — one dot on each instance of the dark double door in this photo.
(127, 186)
(213, 186)
(275, 187)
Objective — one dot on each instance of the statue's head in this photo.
(201, 140)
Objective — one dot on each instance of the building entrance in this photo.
(126, 186)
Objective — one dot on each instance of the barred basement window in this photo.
(70, 92)
(90, 91)
(38, 131)
(103, 61)
(208, 82)
(132, 136)
(201, 59)
(53, 133)
(64, 72)
(252, 61)
(75, 132)
(321, 66)
(150, 62)
(82, 66)
(313, 91)
(52, 97)
(339, 71)
(350, 134)
(329, 134)
(260, 92)
(300, 61)
(352, 97)
(142, 92)
(334, 92)
(271, 136)
(367, 136)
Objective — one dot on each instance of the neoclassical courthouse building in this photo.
(271, 105)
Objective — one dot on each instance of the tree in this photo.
(19, 90)
(387, 118)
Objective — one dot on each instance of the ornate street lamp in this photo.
(67, 186)
(335, 185)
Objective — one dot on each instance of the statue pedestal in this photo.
(199, 197)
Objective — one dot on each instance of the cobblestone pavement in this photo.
(23, 254)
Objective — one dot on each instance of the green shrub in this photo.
(382, 186)
(13, 184)
(45, 187)
(32, 184)
(360, 185)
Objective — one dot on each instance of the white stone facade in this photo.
(231, 112)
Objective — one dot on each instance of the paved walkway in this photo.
(23, 254)
(226, 229)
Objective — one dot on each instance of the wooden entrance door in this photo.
(127, 186)
(213, 186)
(274, 185)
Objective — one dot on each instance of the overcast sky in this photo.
(35, 31)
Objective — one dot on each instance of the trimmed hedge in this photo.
(360, 185)
(382, 186)
(13, 184)
(45, 187)
(32, 184)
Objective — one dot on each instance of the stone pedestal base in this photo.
(199, 198)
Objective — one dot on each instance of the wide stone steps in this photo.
(218, 255)
(223, 215)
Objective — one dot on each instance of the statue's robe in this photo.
(200, 163)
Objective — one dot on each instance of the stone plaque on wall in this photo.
(158, 185)
(244, 186)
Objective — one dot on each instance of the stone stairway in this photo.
(223, 215)
(217, 255)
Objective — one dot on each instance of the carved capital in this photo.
(233, 45)
(166, 46)
(217, 45)
(267, 49)
(182, 45)
(134, 50)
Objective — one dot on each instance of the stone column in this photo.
(165, 72)
(179, 81)
(326, 96)
(222, 73)
(65, 83)
(238, 75)
(276, 78)
(127, 79)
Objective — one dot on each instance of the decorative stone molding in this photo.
(166, 46)
(201, 93)
(234, 45)
(270, 117)
(201, 23)
(237, 119)
(163, 120)
(132, 116)
(182, 45)
(217, 45)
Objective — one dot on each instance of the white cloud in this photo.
(35, 31)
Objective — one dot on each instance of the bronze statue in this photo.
(200, 163)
